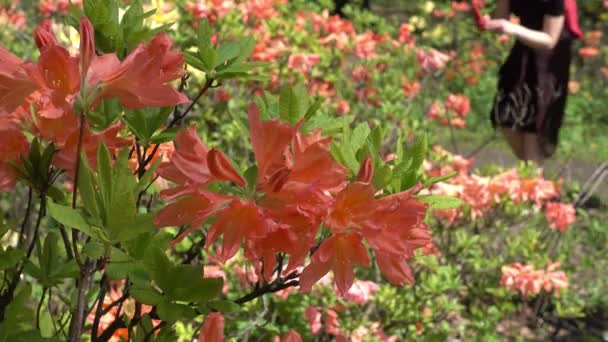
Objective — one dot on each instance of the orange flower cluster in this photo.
(530, 281)
(299, 188)
(480, 194)
(560, 215)
(60, 86)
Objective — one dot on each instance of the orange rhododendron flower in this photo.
(560, 215)
(15, 84)
(138, 81)
(338, 253)
(291, 336)
(212, 329)
(13, 144)
(300, 187)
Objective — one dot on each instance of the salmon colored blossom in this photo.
(13, 145)
(303, 62)
(291, 336)
(588, 52)
(529, 281)
(313, 317)
(560, 215)
(361, 292)
(15, 84)
(212, 329)
(459, 104)
(431, 60)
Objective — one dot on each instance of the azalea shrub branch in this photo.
(276, 285)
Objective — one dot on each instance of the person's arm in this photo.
(541, 40)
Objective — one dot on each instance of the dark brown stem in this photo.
(26, 217)
(156, 328)
(277, 285)
(76, 178)
(6, 297)
(103, 288)
(40, 308)
(76, 324)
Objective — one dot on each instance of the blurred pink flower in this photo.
(360, 74)
(361, 292)
(435, 111)
(212, 271)
(332, 325)
(405, 36)
(303, 62)
(560, 215)
(461, 6)
(529, 281)
(313, 317)
(431, 60)
(459, 104)
(291, 336)
(343, 107)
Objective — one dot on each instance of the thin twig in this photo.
(38, 309)
(103, 288)
(26, 217)
(277, 285)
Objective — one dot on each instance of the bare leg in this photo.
(532, 149)
(516, 141)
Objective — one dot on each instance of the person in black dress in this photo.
(533, 81)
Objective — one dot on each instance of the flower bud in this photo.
(366, 172)
(87, 44)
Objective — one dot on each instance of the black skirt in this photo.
(532, 91)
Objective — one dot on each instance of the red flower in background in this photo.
(313, 317)
(291, 336)
(13, 144)
(212, 329)
(459, 104)
(303, 62)
(15, 84)
(529, 281)
(560, 215)
(431, 60)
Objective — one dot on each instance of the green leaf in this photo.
(72, 218)
(313, 109)
(359, 136)
(164, 136)
(122, 207)
(104, 173)
(146, 295)
(18, 316)
(93, 249)
(225, 306)
(194, 61)
(291, 107)
(143, 223)
(10, 257)
(441, 202)
(146, 179)
(86, 187)
(251, 176)
(227, 52)
(172, 312)
(434, 180)
(133, 19)
(207, 54)
(418, 152)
